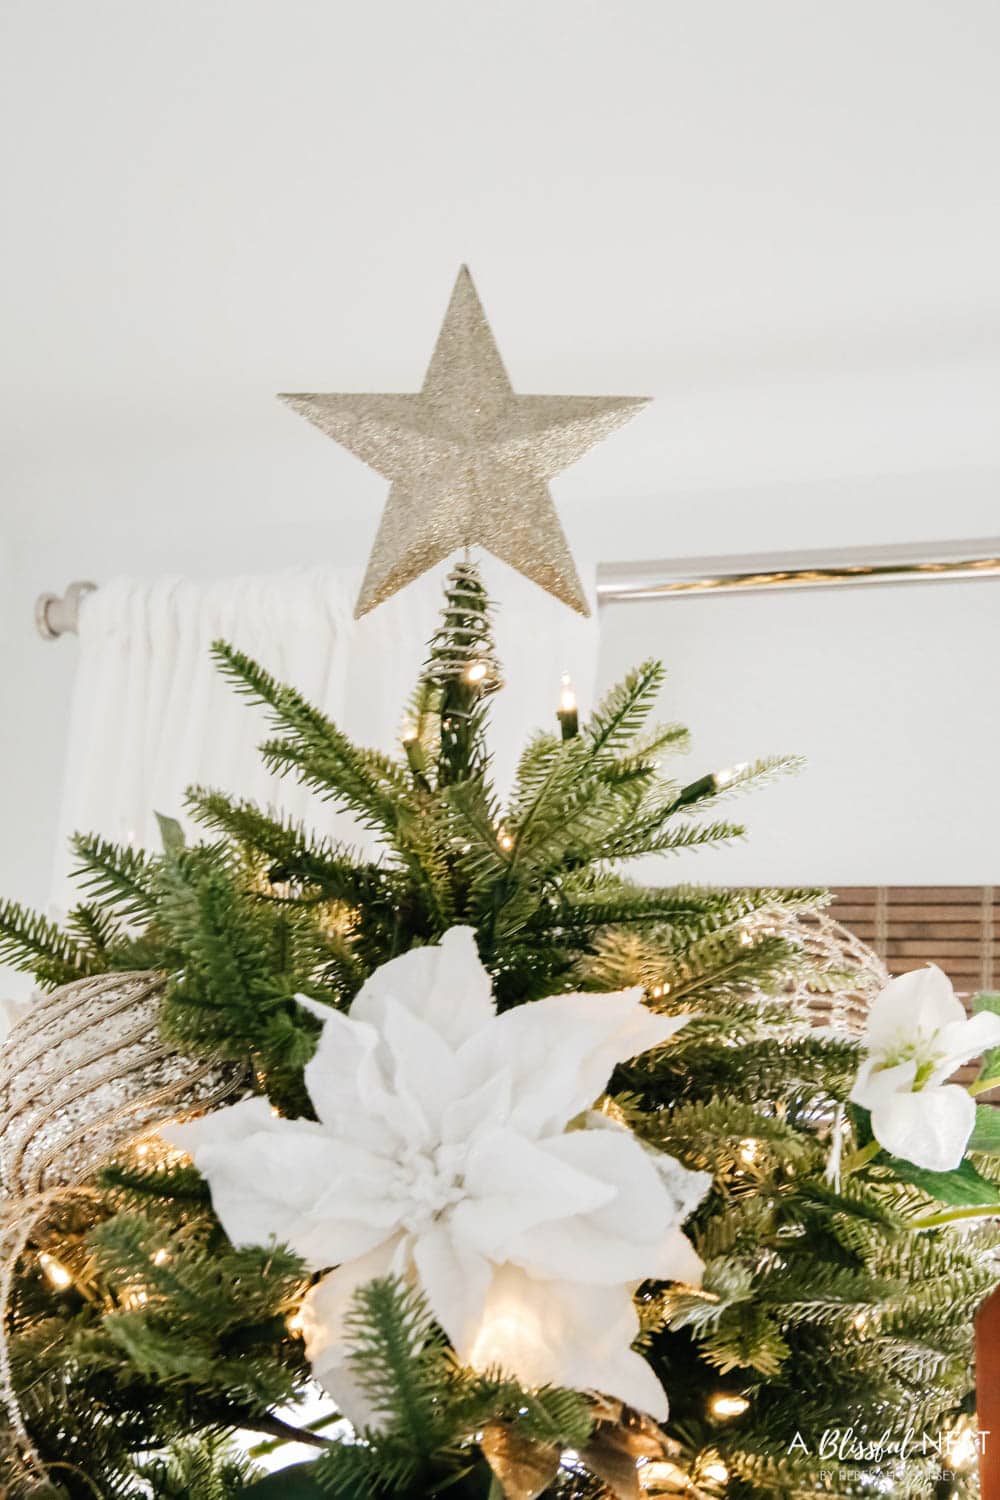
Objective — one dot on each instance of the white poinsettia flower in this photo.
(918, 1033)
(452, 1147)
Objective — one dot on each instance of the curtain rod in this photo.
(631, 582)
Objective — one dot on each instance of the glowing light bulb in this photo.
(749, 1151)
(729, 1406)
(295, 1323)
(161, 1257)
(55, 1271)
(727, 777)
(961, 1448)
(861, 1320)
(504, 839)
(569, 719)
(476, 671)
(716, 1471)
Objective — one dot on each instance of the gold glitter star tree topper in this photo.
(468, 459)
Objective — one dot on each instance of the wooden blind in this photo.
(956, 927)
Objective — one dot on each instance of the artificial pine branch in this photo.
(115, 875)
(821, 1303)
(31, 943)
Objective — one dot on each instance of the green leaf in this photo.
(295, 1483)
(986, 1131)
(172, 835)
(963, 1188)
(989, 1000)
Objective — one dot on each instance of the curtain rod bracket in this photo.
(55, 616)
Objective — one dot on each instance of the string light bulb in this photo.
(55, 1271)
(727, 1406)
(413, 749)
(567, 713)
(749, 1152)
(161, 1257)
(295, 1323)
(726, 778)
(475, 672)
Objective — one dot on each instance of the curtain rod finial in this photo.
(55, 616)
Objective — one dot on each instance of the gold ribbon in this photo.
(524, 1467)
(622, 1439)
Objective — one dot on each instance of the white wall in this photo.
(888, 693)
(779, 219)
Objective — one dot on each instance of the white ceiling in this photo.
(780, 218)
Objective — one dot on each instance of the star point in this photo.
(467, 459)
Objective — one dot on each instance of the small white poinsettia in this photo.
(453, 1147)
(917, 1035)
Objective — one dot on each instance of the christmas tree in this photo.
(549, 1183)
(630, 1235)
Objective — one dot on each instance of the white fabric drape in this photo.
(151, 714)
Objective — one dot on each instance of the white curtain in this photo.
(151, 714)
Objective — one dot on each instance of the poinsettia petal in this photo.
(455, 1279)
(356, 1205)
(232, 1123)
(421, 1069)
(686, 1188)
(344, 1079)
(445, 985)
(512, 1186)
(481, 1109)
(912, 1005)
(323, 1314)
(565, 1334)
(619, 1239)
(930, 1128)
(561, 1051)
(262, 1171)
(680, 1260)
